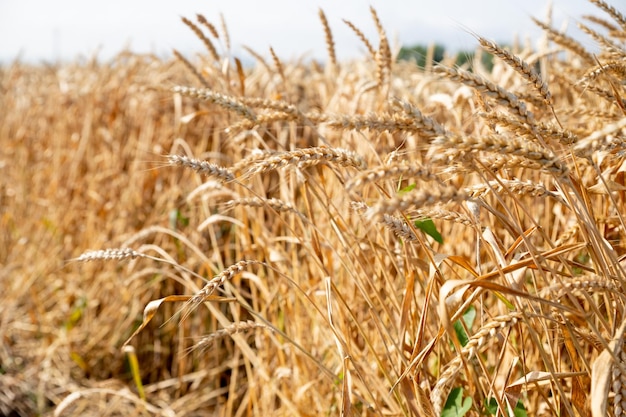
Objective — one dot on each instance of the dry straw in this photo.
(352, 310)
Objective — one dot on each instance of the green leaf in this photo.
(456, 405)
(406, 189)
(468, 317)
(427, 226)
(491, 406)
(520, 410)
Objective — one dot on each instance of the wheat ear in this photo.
(502, 96)
(206, 41)
(328, 36)
(477, 341)
(308, 157)
(234, 328)
(202, 167)
(520, 66)
(227, 102)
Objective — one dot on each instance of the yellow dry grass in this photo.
(191, 238)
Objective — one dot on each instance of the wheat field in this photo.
(193, 236)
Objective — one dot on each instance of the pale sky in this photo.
(45, 30)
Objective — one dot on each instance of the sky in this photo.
(48, 31)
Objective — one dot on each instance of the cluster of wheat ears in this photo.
(353, 238)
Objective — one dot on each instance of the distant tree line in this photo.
(418, 54)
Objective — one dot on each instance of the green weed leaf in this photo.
(406, 189)
(468, 317)
(456, 405)
(427, 226)
(491, 406)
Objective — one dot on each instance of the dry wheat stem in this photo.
(477, 341)
(227, 102)
(202, 167)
